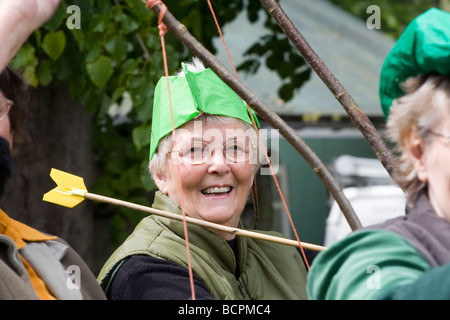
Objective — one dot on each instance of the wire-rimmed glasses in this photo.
(198, 152)
(445, 136)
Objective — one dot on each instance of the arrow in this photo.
(71, 191)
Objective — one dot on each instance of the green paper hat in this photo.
(191, 95)
(424, 47)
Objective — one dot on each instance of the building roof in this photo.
(353, 52)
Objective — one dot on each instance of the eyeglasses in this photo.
(198, 152)
(440, 135)
(5, 106)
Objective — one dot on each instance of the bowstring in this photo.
(260, 141)
(162, 31)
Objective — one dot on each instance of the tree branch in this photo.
(362, 122)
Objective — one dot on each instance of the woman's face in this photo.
(217, 189)
(432, 166)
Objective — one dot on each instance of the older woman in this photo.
(205, 167)
(407, 257)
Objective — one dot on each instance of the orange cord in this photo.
(162, 31)
(260, 140)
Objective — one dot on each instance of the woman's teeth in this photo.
(216, 190)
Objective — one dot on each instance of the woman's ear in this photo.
(161, 182)
(416, 149)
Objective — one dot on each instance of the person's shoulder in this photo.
(343, 269)
(364, 242)
(376, 235)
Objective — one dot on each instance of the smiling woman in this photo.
(215, 190)
(203, 163)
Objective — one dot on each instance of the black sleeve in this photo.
(143, 277)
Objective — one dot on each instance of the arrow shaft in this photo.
(206, 224)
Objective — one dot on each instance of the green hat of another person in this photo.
(424, 47)
(193, 94)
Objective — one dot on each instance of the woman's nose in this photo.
(218, 162)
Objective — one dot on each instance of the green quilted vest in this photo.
(267, 270)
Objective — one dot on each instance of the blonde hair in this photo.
(426, 99)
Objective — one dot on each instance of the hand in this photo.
(19, 19)
(33, 13)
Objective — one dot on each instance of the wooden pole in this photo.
(362, 122)
(206, 224)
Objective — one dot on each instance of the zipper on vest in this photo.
(242, 289)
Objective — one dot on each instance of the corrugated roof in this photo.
(353, 52)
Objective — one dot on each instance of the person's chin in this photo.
(224, 215)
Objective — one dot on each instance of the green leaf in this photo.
(141, 136)
(116, 166)
(136, 7)
(44, 72)
(54, 44)
(104, 106)
(29, 74)
(117, 94)
(117, 46)
(101, 23)
(79, 37)
(130, 65)
(93, 53)
(57, 19)
(144, 111)
(127, 23)
(286, 92)
(24, 56)
(100, 71)
(194, 22)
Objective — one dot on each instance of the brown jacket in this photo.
(64, 273)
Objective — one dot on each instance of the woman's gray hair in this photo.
(158, 164)
(195, 65)
(426, 99)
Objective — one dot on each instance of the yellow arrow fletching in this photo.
(70, 189)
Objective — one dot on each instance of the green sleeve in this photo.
(364, 265)
(432, 285)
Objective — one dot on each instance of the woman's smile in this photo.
(217, 191)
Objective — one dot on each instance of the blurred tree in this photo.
(92, 70)
(395, 15)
